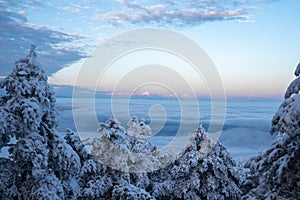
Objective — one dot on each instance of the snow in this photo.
(293, 88)
(4, 152)
(286, 120)
(297, 71)
(13, 140)
(138, 128)
(22, 73)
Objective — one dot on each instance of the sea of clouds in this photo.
(245, 132)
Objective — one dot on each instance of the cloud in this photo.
(17, 35)
(176, 17)
(57, 49)
(179, 13)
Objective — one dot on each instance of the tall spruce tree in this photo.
(40, 164)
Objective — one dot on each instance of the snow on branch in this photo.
(294, 87)
(297, 72)
(287, 118)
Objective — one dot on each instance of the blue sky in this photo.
(254, 44)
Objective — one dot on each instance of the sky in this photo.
(253, 44)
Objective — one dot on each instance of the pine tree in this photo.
(42, 165)
(275, 174)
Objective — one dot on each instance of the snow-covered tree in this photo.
(138, 129)
(275, 174)
(42, 165)
(120, 150)
(204, 171)
(94, 180)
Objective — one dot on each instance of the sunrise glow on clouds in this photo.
(254, 44)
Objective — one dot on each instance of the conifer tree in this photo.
(275, 174)
(204, 171)
(42, 165)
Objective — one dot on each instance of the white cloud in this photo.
(178, 13)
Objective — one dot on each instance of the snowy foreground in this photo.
(42, 163)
